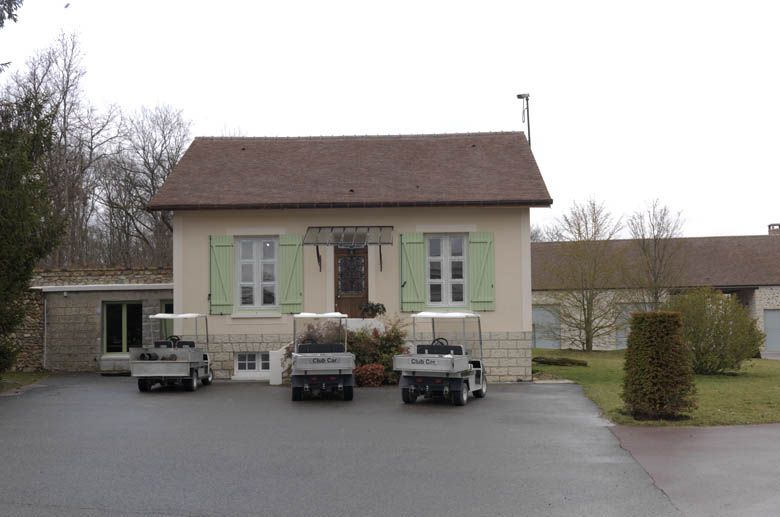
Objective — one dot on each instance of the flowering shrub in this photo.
(370, 375)
(373, 347)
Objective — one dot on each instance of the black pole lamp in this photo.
(526, 113)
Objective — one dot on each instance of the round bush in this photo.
(370, 375)
(658, 380)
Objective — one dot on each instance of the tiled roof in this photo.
(739, 261)
(355, 171)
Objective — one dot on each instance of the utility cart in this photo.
(443, 364)
(172, 360)
(320, 361)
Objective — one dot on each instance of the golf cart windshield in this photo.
(320, 333)
(202, 318)
(447, 333)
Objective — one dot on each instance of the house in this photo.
(268, 227)
(85, 319)
(746, 266)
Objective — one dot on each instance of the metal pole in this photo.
(526, 113)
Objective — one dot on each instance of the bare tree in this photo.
(153, 141)
(537, 233)
(589, 267)
(654, 230)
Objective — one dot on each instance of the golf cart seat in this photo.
(321, 348)
(163, 344)
(185, 344)
(440, 349)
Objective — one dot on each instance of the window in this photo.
(166, 326)
(122, 326)
(257, 273)
(446, 264)
(252, 362)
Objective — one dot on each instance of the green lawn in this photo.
(13, 380)
(752, 396)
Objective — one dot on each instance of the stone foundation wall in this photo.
(507, 354)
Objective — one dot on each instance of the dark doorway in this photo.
(351, 280)
(123, 326)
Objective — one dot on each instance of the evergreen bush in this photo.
(658, 381)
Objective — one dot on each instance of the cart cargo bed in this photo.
(431, 363)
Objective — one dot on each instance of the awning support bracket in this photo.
(380, 257)
(319, 258)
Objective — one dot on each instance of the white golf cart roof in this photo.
(320, 315)
(185, 316)
(452, 315)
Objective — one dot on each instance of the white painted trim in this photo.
(329, 258)
(252, 315)
(104, 287)
(445, 228)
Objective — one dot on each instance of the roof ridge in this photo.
(355, 137)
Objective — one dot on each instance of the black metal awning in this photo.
(348, 237)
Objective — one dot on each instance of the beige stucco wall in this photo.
(510, 226)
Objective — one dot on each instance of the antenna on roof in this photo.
(526, 114)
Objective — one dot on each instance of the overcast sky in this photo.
(630, 101)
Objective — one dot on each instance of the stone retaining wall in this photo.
(101, 276)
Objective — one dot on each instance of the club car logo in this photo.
(423, 361)
(323, 360)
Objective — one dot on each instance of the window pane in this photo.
(251, 366)
(269, 250)
(435, 292)
(265, 363)
(264, 356)
(457, 292)
(269, 295)
(242, 366)
(435, 270)
(434, 247)
(456, 247)
(134, 325)
(241, 358)
(247, 250)
(456, 270)
(247, 295)
(268, 273)
(113, 327)
(247, 273)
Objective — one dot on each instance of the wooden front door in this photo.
(351, 280)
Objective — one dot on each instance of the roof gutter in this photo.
(350, 204)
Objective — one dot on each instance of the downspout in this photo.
(45, 328)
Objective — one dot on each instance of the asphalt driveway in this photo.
(712, 471)
(90, 445)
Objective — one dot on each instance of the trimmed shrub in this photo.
(370, 375)
(559, 361)
(374, 347)
(717, 329)
(658, 381)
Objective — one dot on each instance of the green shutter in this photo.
(481, 271)
(291, 273)
(412, 272)
(221, 266)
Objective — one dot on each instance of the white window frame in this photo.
(262, 370)
(257, 262)
(446, 281)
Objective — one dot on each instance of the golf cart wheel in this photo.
(144, 385)
(480, 393)
(192, 382)
(408, 396)
(208, 379)
(297, 394)
(460, 398)
(349, 393)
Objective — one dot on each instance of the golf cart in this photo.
(442, 365)
(172, 360)
(320, 361)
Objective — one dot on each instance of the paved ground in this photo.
(89, 445)
(712, 471)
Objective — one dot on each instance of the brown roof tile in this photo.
(739, 261)
(359, 171)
